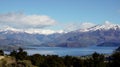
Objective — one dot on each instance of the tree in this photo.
(77, 62)
(118, 49)
(1, 53)
(88, 62)
(13, 53)
(116, 58)
(21, 55)
(68, 61)
(20, 49)
(37, 59)
(98, 60)
(53, 61)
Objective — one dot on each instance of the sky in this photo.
(57, 14)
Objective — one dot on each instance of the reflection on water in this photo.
(61, 51)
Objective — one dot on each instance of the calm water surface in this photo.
(61, 51)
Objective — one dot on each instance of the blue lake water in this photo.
(61, 51)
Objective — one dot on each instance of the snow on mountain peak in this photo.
(106, 26)
(7, 28)
(11, 30)
(87, 27)
(42, 31)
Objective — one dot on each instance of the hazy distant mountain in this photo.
(99, 34)
(105, 44)
(91, 36)
(12, 37)
(106, 26)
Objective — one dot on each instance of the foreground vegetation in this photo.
(19, 58)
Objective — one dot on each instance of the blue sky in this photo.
(65, 12)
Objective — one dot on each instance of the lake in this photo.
(62, 51)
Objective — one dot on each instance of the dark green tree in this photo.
(1, 52)
(116, 59)
(53, 61)
(20, 49)
(68, 61)
(118, 49)
(98, 60)
(88, 62)
(13, 53)
(21, 55)
(77, 62)
(37, 59)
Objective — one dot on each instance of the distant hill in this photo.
(112, 44)
(91, 36)
(102, 35)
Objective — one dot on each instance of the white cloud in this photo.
(37, 23)
(70, 27)
(76, 26)
(20, 20)
(43, 31)
(32, 30)
(86, 25)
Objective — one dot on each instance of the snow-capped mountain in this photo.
(100, 34)
(11, 37)
(95, 35)
(106, 26)
(30, 31)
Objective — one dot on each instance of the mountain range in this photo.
(100, 35)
